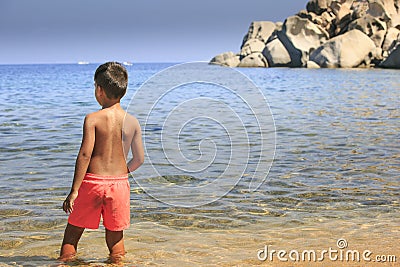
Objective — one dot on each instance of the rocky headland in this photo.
(328, 34)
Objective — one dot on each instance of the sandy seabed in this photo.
(152, 244)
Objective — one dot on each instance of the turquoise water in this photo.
(337, 155)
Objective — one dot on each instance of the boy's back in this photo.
(109, 153)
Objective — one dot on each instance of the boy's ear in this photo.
(101, 90)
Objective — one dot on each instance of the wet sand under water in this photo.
(152, 244)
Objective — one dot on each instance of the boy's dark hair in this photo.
(113, 78)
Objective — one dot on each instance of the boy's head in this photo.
(112, 77)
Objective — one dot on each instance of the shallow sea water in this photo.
(336, 173)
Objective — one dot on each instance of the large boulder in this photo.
(252, 46)
(276, 54)
(300, 36)
(227, 59)
(260, 30)
(255, 60)
(371, 26)
(348, 50)
(393, 60)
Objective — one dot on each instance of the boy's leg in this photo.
(69, 245)
(115, 243)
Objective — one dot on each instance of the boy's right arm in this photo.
(82, 161)
(136, 147)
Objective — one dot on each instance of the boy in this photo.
(100, 186)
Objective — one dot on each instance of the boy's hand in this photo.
(68, 205)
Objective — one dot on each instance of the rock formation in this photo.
(328, 34)
(340, 51)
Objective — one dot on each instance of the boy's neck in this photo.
(111, 103)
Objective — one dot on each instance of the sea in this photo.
(329, 181)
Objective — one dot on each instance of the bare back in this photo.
(109, 154)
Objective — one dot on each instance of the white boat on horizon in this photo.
(83, 63)
(127, 63)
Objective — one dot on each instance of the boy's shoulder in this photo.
(98, 115)
(131, 120)
(130, 117)
(93, 115)
(95, 118)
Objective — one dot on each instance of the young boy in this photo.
(100, 186)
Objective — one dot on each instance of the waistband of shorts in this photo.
(97, 177)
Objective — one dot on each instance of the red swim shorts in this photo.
(106, 196)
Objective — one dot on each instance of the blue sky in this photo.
(55, 31)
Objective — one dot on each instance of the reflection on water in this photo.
(335, 173)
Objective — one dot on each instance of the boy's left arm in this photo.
(82, 161)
